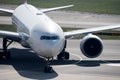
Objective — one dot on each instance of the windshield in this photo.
(49, 37)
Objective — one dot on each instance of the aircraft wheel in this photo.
(1, 55)
(63, 55)
(60, 56)
(48, 69)
(67, 55)
(8, 55)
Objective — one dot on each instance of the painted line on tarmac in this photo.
(114, 64)
(110, 64)
(68, 65)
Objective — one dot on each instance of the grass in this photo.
(5, 14)
(7, 28)
(94, 6)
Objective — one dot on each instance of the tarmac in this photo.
(26, 65)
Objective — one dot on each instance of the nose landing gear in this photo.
(48, 68)
(63, 55)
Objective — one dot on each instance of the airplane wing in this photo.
(70, 34)
(10, 35)
(42, 10)
(55, 8)
(7, 10)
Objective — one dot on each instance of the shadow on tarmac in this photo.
(29, 65)
(95, 63)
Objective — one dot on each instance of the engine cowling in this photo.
(91, 46)
(24, 38)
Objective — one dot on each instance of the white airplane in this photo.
(37, 31)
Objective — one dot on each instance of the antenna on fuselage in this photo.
(25, 1)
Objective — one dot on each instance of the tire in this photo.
(1, 55)
(67, 55)
(60, 56)
(64, 55)
(8, 55)
(48, 69)
(45, 69)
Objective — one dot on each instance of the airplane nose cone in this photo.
(53, 48)
(47, 41)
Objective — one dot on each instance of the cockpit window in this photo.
(49, 37)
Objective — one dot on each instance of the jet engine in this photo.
(24, 38)
(91, 46)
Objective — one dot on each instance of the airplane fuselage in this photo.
(45, 37)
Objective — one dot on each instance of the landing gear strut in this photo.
(63, 55)
(48, 68)
(5, 53)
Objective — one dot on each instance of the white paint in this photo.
(114, 64)
(72, 64)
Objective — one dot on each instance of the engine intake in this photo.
(91, 46)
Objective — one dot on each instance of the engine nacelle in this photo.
(24, 38)
(91, 46)
(25, 44)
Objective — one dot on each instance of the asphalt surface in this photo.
(76, 19)
(26, 65)
(83, 19)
